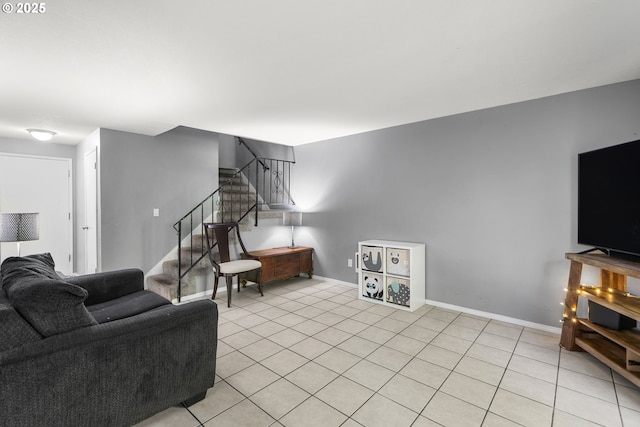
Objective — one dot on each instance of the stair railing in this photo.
(242, 142)
(261, 182)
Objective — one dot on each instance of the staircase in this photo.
(166, 283)
(236, 200)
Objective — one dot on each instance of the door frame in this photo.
(92, 154)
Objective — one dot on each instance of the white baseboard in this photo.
(336, 281)
(488, 315)
(494, 316)
(500, 317)
(196, 296)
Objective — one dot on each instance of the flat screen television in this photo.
(609, 199)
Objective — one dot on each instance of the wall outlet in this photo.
(349, 263)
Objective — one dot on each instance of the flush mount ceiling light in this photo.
(41, 134)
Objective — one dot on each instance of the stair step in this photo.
(237, 195)
(236, 209)
(248, 219)
(167, 287)
(229, 178)
(170, 268)
(235, 198)
(270, 214)
(235, 188)
(197, 249)
(236, 205)
(234, 217)
(227, 171)
(199, 241)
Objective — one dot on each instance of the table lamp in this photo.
(19, 227)
(292, 218)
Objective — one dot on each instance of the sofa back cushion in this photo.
(14, 330)
(14, 269)
(50, 305)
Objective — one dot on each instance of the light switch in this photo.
(156, 212)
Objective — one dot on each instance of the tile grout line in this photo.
(383, 344)
(486, 411)
(284, 377)
(341, 374)
(555, 396)
(500, 382)
(450, 322)
(375, 392)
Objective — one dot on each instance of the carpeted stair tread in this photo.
(238, 206)
(270, 213)
(236, 189)
(189, 253)
(197, 243)
(166, 286)
(163, 285)
(227, 171)
(170, 268)
(228, 197)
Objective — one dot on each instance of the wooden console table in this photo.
(618, 349)
(281, 263)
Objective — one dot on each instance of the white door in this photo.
(89, 228)
(43, 185)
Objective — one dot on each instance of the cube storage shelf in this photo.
(392, 273)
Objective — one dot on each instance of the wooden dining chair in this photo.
(225, 266)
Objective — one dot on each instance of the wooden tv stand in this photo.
(618, 349)
(282, 263)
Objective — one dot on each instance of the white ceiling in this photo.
(295, 71)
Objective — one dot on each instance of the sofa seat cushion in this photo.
(50, 305)
(126, 306)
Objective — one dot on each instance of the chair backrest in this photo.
(221, 232)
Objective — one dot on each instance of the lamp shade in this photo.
(292, 218)
(19, 227)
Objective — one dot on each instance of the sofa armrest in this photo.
(110, 284)
(122, 371)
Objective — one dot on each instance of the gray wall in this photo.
(235, 155)
(172, 172)
(267, 150)
(227, 151)
(491, 193)
(36, 148)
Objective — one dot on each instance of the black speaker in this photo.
(605, 317)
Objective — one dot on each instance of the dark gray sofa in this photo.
(97, 350)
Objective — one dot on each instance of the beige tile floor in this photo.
(310, 353)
